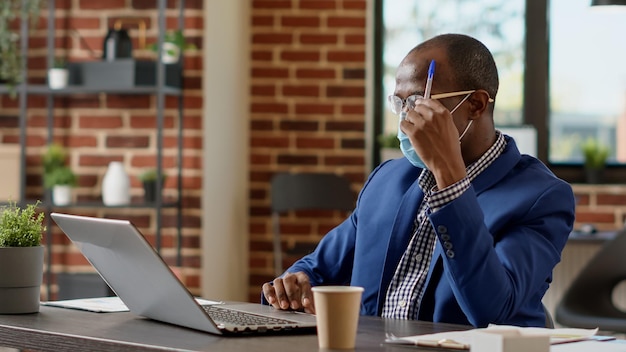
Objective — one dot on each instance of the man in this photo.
(464, 229)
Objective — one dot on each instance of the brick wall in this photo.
(604, 206)
(99, 128)
(307, 114)
(307, 111)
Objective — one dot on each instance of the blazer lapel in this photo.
(400, 235)
(499, 168)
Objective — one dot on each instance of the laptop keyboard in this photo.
(233, 317)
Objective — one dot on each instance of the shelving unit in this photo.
(159, 90)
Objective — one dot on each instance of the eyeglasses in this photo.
(396, 104)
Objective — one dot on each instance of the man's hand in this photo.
(292, 291)
(432, 132)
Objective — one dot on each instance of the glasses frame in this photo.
(393, 99)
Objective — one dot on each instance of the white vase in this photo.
(61, 194)
(57, 78)
(115, 185)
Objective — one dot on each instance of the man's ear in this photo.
(479, 101)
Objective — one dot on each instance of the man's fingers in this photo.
(292, 289)
(281, 297)
(270, 295)
(307, 296)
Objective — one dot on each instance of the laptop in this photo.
(145, 283)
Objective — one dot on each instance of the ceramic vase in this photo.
(116, 185)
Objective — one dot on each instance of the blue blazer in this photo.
(504, 236)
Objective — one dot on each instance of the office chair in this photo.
(306, 191)
(588, 303)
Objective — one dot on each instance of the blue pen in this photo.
(429, 80)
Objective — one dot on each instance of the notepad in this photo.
(463, 340)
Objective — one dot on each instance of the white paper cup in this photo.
(337, 315)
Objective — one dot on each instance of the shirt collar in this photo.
(426, 179)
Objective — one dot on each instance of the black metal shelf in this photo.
(160, 90)
(133, 205)
(42, 89)
(141, 205)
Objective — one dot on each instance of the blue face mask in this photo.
(407, 148)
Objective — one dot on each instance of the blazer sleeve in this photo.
(494, 272)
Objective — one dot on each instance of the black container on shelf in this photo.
(122, 73)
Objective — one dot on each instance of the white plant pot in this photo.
(57, 78)
(62, 194)
(115, 185)
(170, 54)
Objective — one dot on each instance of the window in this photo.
(587, 80)
(499, 24)
(561, 63)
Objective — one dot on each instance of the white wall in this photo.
(225, 142)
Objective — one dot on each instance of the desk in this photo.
(59, 329)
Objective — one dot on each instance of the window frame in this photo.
(536, 101)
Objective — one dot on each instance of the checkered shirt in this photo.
(407, 285)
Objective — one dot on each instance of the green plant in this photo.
(55, 170)
(177, 38)
(21, 227)
(389, 140)
(151, 176)
(59, 63)
(60, 176)
(595, 153)
(10, 53)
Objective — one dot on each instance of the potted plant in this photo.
(58, 75)
(595, 155)
(57, 175)
(10, 52)
(173, 44)
(389, 146)
(21, 258)
(148, 179)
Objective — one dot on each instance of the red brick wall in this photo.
(307, 111)
(604, 206)
(99, 128)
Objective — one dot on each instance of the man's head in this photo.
(462, 64)
(471, 63)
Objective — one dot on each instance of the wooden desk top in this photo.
(59, 329)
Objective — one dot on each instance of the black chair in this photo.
(588, 302)
(306, 191)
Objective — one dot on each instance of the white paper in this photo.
(557, 336)
(463, 339)
(103, 304)
(589, 346)
(99, 304)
